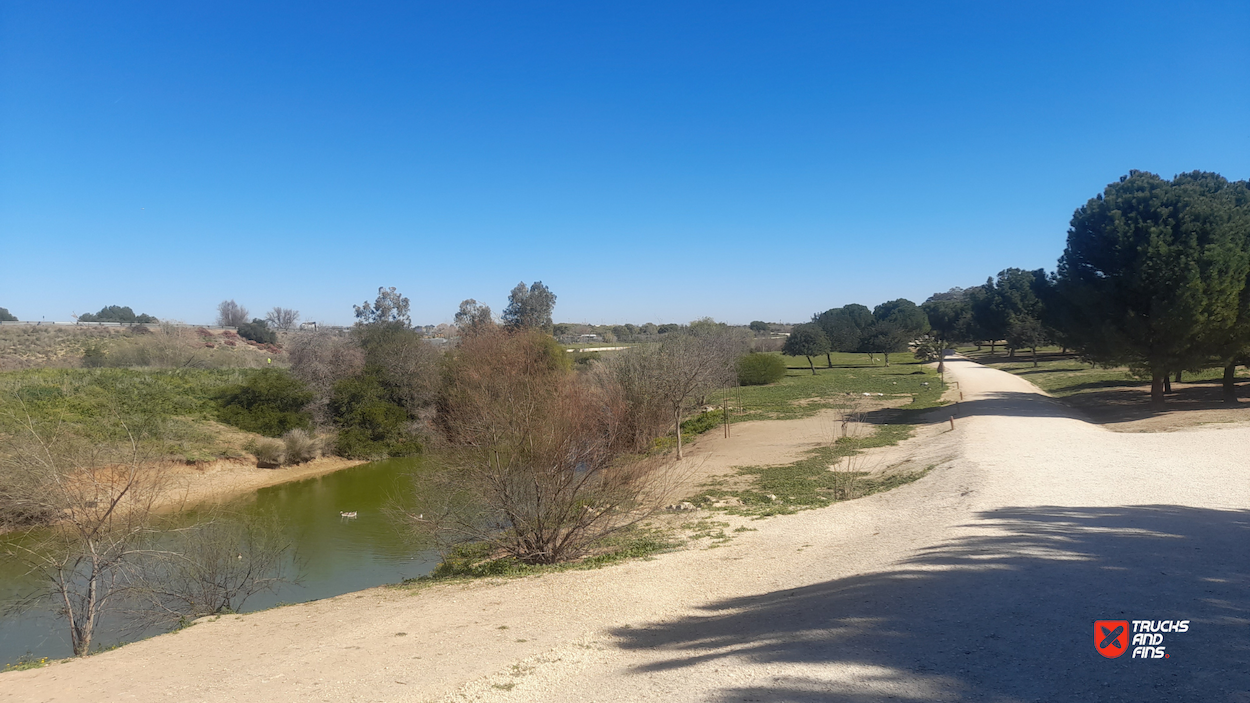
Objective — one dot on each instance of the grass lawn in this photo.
(801, 394)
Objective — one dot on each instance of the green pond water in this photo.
(334, 555)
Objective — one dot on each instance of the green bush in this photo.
(6, 316)
(703, 422)
(258, 331)
(93, 357)
(760, 369)
(270, 402)
(371, 425)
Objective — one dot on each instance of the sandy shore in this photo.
(229, 478)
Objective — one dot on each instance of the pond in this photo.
(335, 555)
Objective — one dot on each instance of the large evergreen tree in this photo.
(1154, 270)
(896, 324)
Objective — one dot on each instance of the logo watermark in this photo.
(1112, 637)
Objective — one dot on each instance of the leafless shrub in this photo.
(100, 495)
(535, 465)
(320, 360)
(851, 419)
(231, 314)
(213, 566)
(300, 446)
(677, 375)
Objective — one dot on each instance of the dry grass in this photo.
(61, 346)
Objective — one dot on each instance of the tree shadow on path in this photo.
(1006, 615)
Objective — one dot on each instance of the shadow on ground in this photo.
(1006, 616)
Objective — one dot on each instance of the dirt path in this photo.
(980, 581)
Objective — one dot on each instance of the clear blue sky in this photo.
(647, 161)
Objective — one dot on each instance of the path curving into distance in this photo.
(979, 582)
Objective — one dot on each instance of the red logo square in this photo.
(1111, 637)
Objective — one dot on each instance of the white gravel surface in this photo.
(979, 582)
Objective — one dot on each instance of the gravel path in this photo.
(980, 581)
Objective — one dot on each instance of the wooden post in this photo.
(952, 422)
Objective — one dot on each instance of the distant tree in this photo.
(1230, 346)
(6, 316)
(258, 331)
(117, 313)
(806, 340)
(948, 319)
(667, 328)
(758, 326)
(896, 324)
(404, 363)
(1014, 301)
(1026, 332)
(530, 308)
(389, 308)
(955, 293)
(844, 327)
(988, 314)
(231, 314)
(650, 328)
(474, 318)
(282, 318)
(1153, 270)
(706, 326)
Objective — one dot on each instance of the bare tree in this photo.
(321, 360)
(679, 372)
(231, 314)
(213, 566)
(535, 465)
(101, 495)
(473, 318)
(282, 318)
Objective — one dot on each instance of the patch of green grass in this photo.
(801, 394)
(469, 561)
(707, 529)
(809, 483)
(27, 661)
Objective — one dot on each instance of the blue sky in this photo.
(647, 161)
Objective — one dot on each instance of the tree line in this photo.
(889, 328)
(1155, 276)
